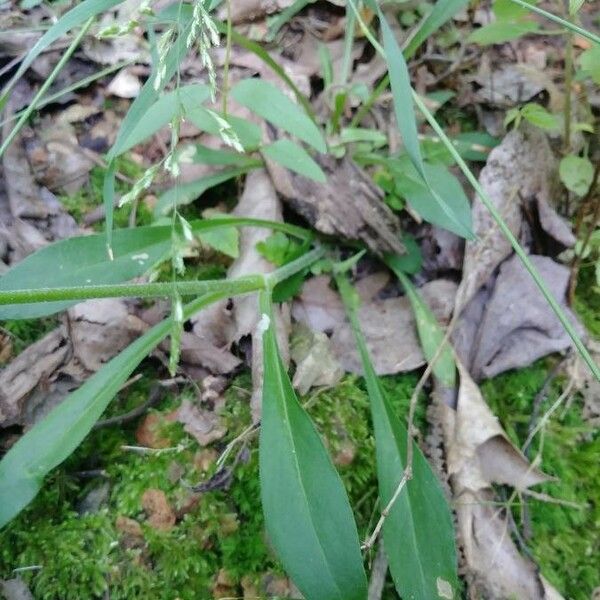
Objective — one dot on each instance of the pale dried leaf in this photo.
(45, 372)
(521, 167)
(388, 325)
(204, 425)
(315, 363)
(250, 10)
(496, 568)
(516, 326)
(508, 85)
(478, 451)
(36, 363)
(125, 84)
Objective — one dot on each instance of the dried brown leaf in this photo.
(204, 425)
(160, 514)
(478, 451)
(315, 363)
(388, 325)
(521, 167)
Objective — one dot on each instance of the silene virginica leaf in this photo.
(52, 440)
(430, 333)
(418, 533)
(441, 201)
(307, 513)
(294, 157)
(270, 103)
(439, 205)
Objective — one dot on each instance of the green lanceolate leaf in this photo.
(75, 17)
(502, 31)
(188, 192)
(430, 333)
(52, 440)
(418, 533)
(307, 513)
(441, 13)
(441, 200)
(403, 103)
(294, 157)
(270, 103)
(261, 53)
(82, 261)
(183, 101)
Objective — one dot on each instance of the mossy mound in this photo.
(217, 545)
(564, 540)
(65, 554)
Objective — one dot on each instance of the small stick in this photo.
(156, 394)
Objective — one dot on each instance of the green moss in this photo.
(564, 540)
(24, 332)
(90, 196)
(82, 556)
(587, 300)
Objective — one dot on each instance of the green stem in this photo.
(44, 87)
(295, 266)
(234, 287)
(556, 19)
(227, 59)
(562, 317)
(133, 290)
(366, 107)
(568, 95)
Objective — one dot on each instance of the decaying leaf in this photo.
(349, 205)
(388, 325)
(517, 325)
(125, 84)
(478, 453)
(160, 514)
(46, 371)
(521, 167)
(204, 425)
(508, 85)
(15, 589)
(250, 10)
(315, 363)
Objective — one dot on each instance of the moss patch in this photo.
(587, 300)
(79, 556)
(564, 540)
(90, 196)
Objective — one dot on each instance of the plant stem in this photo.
(234, 287)
(568, 96)
(556, 19)
(558, 311)
(227, 59)
(133, 290)
(44, 87)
